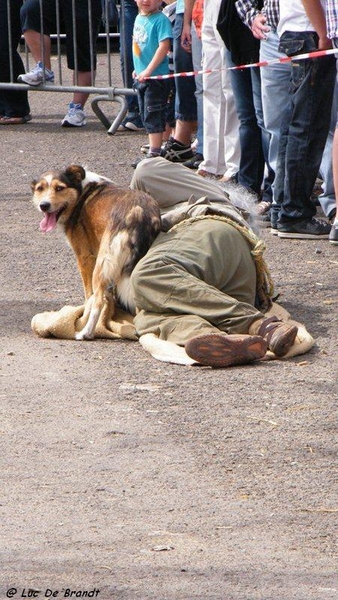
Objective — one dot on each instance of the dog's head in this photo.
(56, 194)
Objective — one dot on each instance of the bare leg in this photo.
(84, 78)
(184, 131)
(155, 140)
(33, 40)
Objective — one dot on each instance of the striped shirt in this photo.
(247, 11)
(332, 18)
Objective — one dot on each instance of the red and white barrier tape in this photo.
(263, 63)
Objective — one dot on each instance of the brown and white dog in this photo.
(108, 227)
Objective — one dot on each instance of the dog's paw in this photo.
(84, 335)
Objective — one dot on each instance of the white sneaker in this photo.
(75, 116)
(37, 75)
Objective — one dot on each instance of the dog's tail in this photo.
(140, 220)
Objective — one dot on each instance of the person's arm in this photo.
(247, 11)
(316, 15)
(160, 54)
(250, 15)
(186, 29)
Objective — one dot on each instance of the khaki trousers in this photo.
(197, 278)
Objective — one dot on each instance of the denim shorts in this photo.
(153, 98)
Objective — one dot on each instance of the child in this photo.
(151, 44)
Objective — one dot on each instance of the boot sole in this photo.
(221, 350)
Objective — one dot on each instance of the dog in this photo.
(109, 229)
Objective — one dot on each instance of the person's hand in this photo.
(141, 77)
(324, 43)
(259, 28)
(186, 38)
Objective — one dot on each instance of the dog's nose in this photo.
(45, 206)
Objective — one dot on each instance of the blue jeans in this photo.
(304, 129)
(12, 103)
(275, 82)
(185, 101)
(247, 95)
(127, 18)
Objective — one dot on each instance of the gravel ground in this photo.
(128, 478)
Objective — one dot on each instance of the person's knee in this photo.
(144, 171)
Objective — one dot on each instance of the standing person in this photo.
(332, 33)
(306, 121)
(42, 72)
(14, 106)
(178, 148)
(221, 148)
(275, 83)
(243, 48)
(275, 78)
(151, 43)
(128, 14)
(191, 41)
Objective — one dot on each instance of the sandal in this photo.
(278, 335)
(15, 120)
(222, 350)
(263, 207)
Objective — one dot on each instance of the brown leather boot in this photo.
(279, 336)
(222, 350)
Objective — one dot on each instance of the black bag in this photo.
(242, 45)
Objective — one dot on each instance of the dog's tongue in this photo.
(48, 222)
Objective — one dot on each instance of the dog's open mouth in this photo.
(50, 220)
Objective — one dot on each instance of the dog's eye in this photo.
(39, 188)
(59, 188)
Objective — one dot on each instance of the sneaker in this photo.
(176, 152)
(131, 123)
(262, 208)
(194, 162)
(148, 155)
(37, 75)
(222, 350)
(310, 229)
(333, 235)
(75, 116)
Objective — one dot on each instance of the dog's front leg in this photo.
(85, 260)
(99, 286)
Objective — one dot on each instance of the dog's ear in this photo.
(75, 174)
(33, 184)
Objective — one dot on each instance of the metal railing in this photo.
(106, 93)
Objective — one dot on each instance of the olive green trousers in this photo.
(197, 278)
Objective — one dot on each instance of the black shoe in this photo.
(194, 162)
(311, 229)
(131, 123)
(176, 152)
(138, 160)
